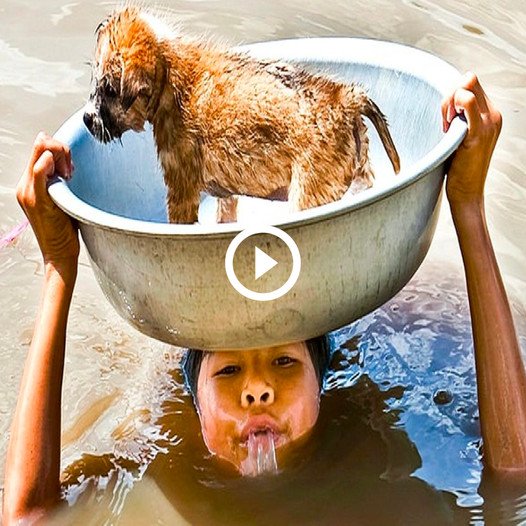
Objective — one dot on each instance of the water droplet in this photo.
(442, 397)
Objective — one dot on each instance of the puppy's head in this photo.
(128, 75)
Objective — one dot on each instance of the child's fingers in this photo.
(465, 101)
(448, 112)
(43, 169)
(454, 103)
(54, 158)
(31, 190)
(61, 154)
(444, 108)
(39, 147)
(472, 84)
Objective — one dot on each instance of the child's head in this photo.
(272, 390)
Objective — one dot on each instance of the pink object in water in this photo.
(13, 234)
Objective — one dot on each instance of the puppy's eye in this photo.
(228, 370)
(145, 92)
(284, 361)
(110, 91)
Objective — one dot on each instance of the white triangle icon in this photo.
(263, 263)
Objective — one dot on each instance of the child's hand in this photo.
(55, 232)
(469, 166)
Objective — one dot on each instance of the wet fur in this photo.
(229, 124)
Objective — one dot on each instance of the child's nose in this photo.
(257, 393)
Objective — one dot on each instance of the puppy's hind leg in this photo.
(359, 169)
(314, 183)
(227, 209)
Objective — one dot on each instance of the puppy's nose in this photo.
(88, 120)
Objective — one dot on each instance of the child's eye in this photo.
(229, 370)
(283, 361)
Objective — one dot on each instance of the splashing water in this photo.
(261, 457)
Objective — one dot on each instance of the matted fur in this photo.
(226, 123)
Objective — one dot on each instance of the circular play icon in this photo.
(259, 266)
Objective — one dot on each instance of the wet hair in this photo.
(319, 351)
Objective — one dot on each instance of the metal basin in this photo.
(169, 281)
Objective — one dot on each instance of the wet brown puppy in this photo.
(226, 123)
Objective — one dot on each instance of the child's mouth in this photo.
(261, 456)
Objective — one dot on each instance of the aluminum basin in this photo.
(169, 281)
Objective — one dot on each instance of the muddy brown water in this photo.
(398, 437)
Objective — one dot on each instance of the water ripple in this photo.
(37, 75)
(65, 11)
(459, 23)
(410, 345)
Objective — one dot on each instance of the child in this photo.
(32, 484)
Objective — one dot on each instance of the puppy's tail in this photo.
(373, 113)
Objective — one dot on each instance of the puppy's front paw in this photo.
(182, 214)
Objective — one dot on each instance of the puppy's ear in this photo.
(134, 82)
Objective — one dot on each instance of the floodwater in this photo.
(398, 439)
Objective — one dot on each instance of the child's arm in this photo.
(32, 472)
(501, 377)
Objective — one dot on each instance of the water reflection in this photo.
(421, 344)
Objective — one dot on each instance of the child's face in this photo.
(272, 390)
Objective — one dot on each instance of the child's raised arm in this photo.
(501, 379)
(32, 483)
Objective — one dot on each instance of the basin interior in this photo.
(126, 179)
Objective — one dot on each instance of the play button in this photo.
(263, 263)
(280, 255)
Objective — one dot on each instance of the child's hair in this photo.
(319, 351)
